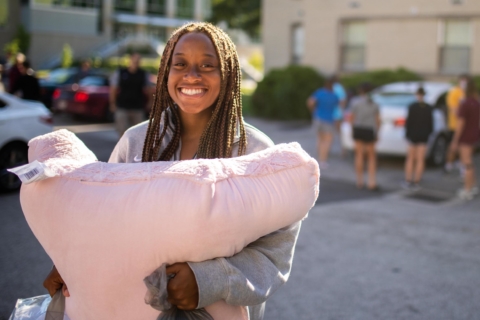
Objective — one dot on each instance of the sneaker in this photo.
(406, 185)
(415, 187)
(474, 190)
(465, 194)
(448, 168)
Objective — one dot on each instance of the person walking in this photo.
(322, 104)
(129, 95)
(418, 127)
(454, 98)
(26, 86)
(466, 136)
(14, 71)
(197, 113)
(365, 119)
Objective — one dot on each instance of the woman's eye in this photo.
(179, 64)
(207, 65)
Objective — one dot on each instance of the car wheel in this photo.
(439, 151)
(12, 155)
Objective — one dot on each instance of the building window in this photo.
(298, 43)
(70, 3)
(159, 33)
(3, 12)
(455, 47)
(121, 30)
(185, 9)
(125, 5)
(353, 46)
(156, 7)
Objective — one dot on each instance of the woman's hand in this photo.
(54, 282)
(182, 288)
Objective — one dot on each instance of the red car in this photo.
(89, 97)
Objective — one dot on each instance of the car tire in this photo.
(12, 155)
(438, 152)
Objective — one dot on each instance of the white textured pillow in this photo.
(107, 226)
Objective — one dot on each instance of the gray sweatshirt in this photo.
(251, 276)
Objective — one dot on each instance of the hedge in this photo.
(282, 94)
(378, 78)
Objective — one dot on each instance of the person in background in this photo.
(365, 119)
(418, 127)
(14, 72)
(322, 104)
(85, 70)
(454, 98)
(27, 86)
(465, 138)
(129, 94)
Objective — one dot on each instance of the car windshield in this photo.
(94, 81)
(59, 76)
(394, 99)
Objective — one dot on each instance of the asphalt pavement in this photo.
(360, 255)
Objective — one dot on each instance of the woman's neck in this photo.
(193, 125)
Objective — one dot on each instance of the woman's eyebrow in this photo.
(205, 54)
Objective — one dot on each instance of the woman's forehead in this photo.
(194, 43)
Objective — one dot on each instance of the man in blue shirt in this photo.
(322, 104)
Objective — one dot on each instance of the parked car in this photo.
(20, 121)
(89, 97)
(59, 78)
(393, 100)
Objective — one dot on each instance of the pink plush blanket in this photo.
(108, 226)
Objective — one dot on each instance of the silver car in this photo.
(393, 100)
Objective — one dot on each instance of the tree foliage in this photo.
(238, 14)
(67, 56)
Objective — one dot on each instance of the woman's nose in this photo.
(192, 74)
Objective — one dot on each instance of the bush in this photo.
(282, 94)
(477, 82)
(378, 78)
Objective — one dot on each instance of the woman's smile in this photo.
(192, 92)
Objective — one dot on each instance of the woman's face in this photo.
(194, 78)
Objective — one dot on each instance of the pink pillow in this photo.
(107, 226)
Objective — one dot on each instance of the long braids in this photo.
(218, 137)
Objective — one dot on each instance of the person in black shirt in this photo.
(418, 127)
(129, 95)
(27, 84)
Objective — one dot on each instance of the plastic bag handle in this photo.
(56, 308)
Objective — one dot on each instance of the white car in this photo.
(393, 100)
(20, 121)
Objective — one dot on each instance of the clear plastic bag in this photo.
(157, 297)
(40, 308)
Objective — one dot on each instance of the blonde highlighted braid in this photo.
(217, 138)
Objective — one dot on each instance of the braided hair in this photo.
(218, 137)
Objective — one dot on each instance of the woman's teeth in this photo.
(191, 92)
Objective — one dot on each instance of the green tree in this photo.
(20, 43)
(238, 14)
(67, 56)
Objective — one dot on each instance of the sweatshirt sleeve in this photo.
(251, 276)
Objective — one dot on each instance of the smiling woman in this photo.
(197, 113)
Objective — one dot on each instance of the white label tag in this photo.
(34, 171)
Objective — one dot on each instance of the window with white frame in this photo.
(157, 7)
(125, 5)
(354, 39)
(298, 43)
(70, 3)
(185, 9)
(456, 41)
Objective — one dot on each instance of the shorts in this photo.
(366, 135)
(323, 126)
(416, 141)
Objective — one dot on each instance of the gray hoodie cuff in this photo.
(212, 281)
